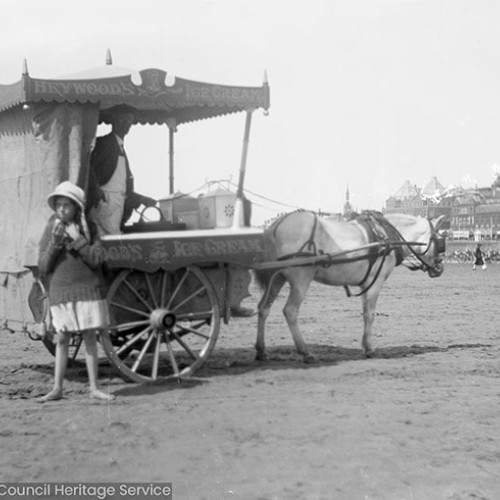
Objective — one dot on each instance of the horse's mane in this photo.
(373, 213)
(404, 217)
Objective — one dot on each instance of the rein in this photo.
(377, 274)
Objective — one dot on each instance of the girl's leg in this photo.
(62, 351)
(90, 339)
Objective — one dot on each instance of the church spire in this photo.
(347, 204)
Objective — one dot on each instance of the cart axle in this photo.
(161, 318)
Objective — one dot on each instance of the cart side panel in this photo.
(164, 250)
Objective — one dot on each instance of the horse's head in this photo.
(427, 255)
(431, 256)
(435, 249)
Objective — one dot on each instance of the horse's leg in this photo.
(369, 301)
(299, 280)
(270, 293)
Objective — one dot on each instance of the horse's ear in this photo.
(436, 223)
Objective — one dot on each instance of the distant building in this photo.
(469, 213)
(429, 201)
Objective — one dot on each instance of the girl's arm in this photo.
(91, 253)
(50, 248)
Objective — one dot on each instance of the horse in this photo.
(301, 247)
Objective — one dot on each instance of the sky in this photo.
(365, 94)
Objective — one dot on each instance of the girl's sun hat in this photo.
(68, 190)
(74, 193)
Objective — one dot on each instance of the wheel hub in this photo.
(161, 318)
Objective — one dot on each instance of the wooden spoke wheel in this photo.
(38, 301)
(164, 324)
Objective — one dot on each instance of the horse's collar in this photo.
(379, 229)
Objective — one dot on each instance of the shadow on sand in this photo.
(237, 361)
(222, 362)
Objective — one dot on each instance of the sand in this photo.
(419, 421)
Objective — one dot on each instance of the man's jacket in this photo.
(102, 166)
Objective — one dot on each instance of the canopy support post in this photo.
(238, 218)
(172, 128)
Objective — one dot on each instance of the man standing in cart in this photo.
(111, 183)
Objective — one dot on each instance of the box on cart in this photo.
(181, 208)
(216, 209)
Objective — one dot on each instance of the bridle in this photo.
(438, 242)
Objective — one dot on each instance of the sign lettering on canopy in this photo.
(152, 92)
(77, 88)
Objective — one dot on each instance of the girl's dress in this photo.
(75, 283)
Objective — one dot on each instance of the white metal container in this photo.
(216, 209)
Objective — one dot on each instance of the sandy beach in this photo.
(418, 421)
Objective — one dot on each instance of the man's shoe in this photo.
(242, 312)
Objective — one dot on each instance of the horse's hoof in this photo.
(369, 354)
(261, 356)
(310, 359)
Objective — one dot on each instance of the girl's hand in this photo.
(76, 244)
(58, 233)
(72, 231)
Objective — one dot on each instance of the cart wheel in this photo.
(38, 302)
(164, 324)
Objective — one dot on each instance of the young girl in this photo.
(70, 256)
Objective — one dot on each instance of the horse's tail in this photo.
(262, 278)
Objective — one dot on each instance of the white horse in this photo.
(359, 253)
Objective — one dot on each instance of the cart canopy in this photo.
(48, 128)
(156, 98)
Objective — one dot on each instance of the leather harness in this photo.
(378, 230)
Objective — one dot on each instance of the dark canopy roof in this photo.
(155, 100)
